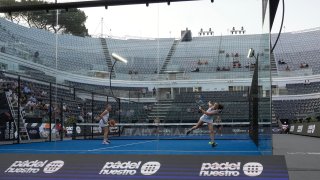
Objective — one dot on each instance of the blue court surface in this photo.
(138, 146)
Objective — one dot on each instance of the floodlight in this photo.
(250, 53)
(119, 58)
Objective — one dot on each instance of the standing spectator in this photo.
(154, 91)
(144, 91)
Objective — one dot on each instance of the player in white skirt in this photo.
(103, 123)
(207, 117)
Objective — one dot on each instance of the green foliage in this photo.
(313, 119)
(69, 22)
(70, 121)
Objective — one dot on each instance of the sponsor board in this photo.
(70, 130)
(62, 166)
(292, 128)
(251, 169)
(130, 168)
(306, 129)
(34, 166)
(311, 128)
(300, 128)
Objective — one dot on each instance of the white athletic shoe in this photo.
(105, 142)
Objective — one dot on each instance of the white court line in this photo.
(124, 145)
(178, 151)
(48, 150)
(142, 142)
(107, 150)
(303, 153)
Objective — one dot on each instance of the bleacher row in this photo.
(303, 88)
(296, 48)
(80, 55)
(73, 105)
(295, 109)
(184, 107)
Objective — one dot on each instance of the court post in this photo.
(19, 96)
(92, 101)
(61, 120)
(50, 110)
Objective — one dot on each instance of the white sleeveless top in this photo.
(105, 118)
(206, 118)
(104, 121)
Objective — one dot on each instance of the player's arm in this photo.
(208, 113)
(103, 113)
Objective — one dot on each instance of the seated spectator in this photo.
(287, 68)
(36, 54)
(281, 62)
(199, 62)
(218, 68)
(195, 70)
(304, 65)
(225, 68)
(206, 62)
(3, 49)
(32, 102)
(306, 82)
(43, 93)
(26, 90)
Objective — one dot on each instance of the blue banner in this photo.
(64, 166)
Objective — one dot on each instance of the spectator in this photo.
(287, 68)
(26, 90)
(43, 93)
(195, 70)
(144, 91)
(281, 62)
(154, 91)
(32, 102)
(306, 82)
(36, 54)
(3, 49)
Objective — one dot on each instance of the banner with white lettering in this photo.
(306, 129)
(66, 166)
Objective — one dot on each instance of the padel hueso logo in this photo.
(232, 169)
(130, 168)
(33, 167)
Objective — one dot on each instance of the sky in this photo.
(161, 20)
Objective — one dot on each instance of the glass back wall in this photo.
(179, 57)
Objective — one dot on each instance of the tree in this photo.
(70, 21)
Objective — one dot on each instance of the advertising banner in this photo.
(306, 129)
(66, 166)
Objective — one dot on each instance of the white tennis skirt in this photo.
(103, 123)
(206, 119)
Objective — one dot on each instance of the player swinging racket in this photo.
(103, 123)
(207, 117)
